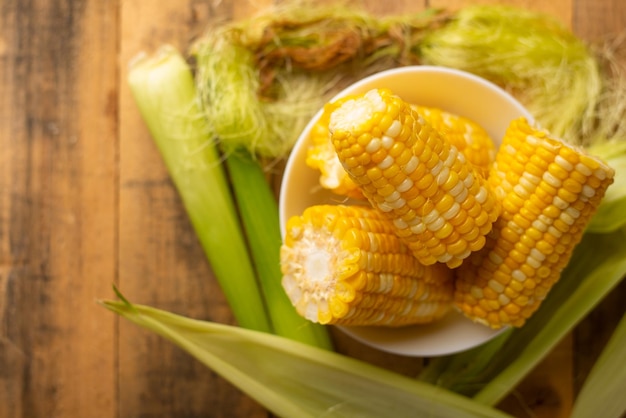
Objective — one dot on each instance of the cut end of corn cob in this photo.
(549, 191)
(321, 156)
(344, 265)
(439, 204)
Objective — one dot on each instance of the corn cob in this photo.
(549, 191)
(467, 136)
(440, 206)
(321, 156)
(344, 265)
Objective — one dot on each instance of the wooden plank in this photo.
(58, 206)
(598, 20)
(160, 260)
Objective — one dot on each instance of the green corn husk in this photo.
(292, 379)
(603, 392)
(455, 371)
(259, 215)
(163, 89)
(245, 259)
(245, 129)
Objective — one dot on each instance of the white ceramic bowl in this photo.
(454, 91)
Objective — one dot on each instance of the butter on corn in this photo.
(440, 206)
(549, 191)
(344, 265)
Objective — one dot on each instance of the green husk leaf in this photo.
(246, 128)
(449, 371)
(603, 392)
(164, 91)
(292, 379)
(259, 214)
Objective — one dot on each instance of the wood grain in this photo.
(86, 202)
(58, 200)
(160, 260)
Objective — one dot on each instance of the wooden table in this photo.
(85, 202)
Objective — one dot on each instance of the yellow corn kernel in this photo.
(344, 265)
(436, 171)
(533, 239)
(467, 136)
(321, 156)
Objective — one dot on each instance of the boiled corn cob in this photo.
(549, 191)
(471, 139)
(344, 265)
(466, 135)
(321, 156)
(440, 206)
